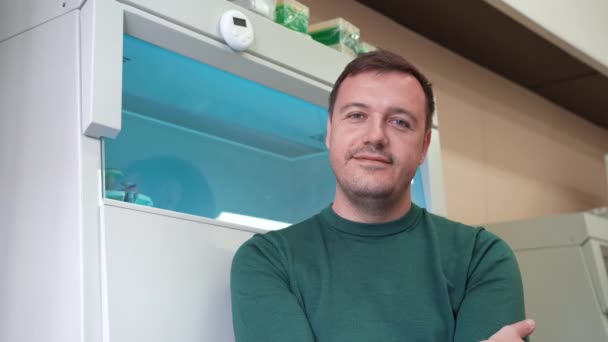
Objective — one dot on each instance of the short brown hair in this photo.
(382, 61)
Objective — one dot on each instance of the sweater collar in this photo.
(371, 229)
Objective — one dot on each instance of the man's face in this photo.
(376, 135)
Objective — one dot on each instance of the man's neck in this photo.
(371, 210)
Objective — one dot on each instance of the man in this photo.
(373, 266)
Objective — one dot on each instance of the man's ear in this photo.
(425, 145)
(328, 133)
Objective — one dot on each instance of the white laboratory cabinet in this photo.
(564, 266)
(139, 151)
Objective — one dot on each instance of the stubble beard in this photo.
(374, 199)
(362, 192)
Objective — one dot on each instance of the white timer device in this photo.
(236, 30)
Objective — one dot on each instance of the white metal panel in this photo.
(595, 256)
(17, 16)
(555, 231)
(40, 286)
(101, 53)
(168, 277)
(94, 319)
(559, 295)
(272, 42)
(597, 226)
(91, 202)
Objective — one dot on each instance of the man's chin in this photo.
(372, 192)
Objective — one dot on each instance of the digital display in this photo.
(239, 21)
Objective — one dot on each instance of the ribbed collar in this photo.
(371, 229)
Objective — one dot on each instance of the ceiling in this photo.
(508, 48)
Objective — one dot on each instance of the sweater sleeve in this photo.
(263, 306)
(494, 292)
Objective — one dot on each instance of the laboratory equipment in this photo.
(131, 85)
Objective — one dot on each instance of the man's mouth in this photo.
(372, 157)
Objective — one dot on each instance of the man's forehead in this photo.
(382, 91)
(374, 79)
(365, 83)
(380, 74)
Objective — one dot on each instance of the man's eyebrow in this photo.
(399, 110)
(353, 104)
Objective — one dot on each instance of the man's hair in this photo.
(383, 61)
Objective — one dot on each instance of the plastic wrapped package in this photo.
(338, 34)
(263, 7)
(292, 15)
(365, 47)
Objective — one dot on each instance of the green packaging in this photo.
(292, 15)
(338, 34)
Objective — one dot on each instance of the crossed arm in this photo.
(263, 306)
(265, 309)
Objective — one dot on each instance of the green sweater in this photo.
(419, 278)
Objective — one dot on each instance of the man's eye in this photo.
(401, 123)
(355, 116)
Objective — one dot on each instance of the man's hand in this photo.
(515, 332)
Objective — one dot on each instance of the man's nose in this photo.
(376, 132)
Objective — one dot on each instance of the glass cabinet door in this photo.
(199, 140)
